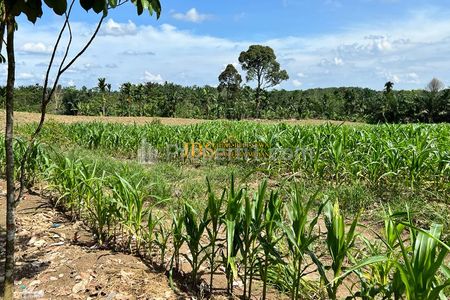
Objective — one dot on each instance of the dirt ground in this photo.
(25, 117)
(57, 259)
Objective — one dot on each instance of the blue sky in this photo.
(321, 43)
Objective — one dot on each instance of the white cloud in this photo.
(25, 76)
(338, 61)
(409, 52)
(149, 77)
(118, 29)
(191, 15)
(134, 52)
(35, 48)
(297, 83)
(412, 78)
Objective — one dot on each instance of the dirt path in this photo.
(57, 259)
(25, 117)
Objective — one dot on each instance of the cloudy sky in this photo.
(321, 43)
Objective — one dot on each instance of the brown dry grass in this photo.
(26, 117)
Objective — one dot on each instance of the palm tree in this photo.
(388, 87)
(103, 86)
(125, 89)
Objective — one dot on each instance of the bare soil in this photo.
(26, 117)
(58, 259)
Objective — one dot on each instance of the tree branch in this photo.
(85, 47)
(46, 98)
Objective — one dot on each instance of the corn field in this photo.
(266, 238)
(409, 154)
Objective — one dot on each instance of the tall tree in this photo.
(388, 86)
(390, 109)
(9, 10)
(125, 90)
(104, 88)
(261, 65)
(435, 85)
(434, 104)
(230, 83)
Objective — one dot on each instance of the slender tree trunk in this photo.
(258, 94)
(258, 101)
(10, 188)
(103, 105)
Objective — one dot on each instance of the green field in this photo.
(327, 211)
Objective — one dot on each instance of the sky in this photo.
(321, 43)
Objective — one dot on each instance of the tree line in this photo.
(172, 100)
(232, 99)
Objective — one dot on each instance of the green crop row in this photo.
(410, 155)
(266, 237)
(262, 238)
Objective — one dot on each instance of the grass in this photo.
(262, 224)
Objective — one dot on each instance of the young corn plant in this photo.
(65, 178)
(177, 240)
(195, 228)
(300, 235)
(339, 244)
(422, 261)
(215, 214)
(380, 278)
(152, 222)
(232, 220)
(272, 219)
(131, 201)
(252, 226)
(162, 236)
(101, 208)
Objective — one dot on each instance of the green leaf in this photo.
(99, 6)
(31, 8)
(363, 263)
(140, 7)
(59, 6)
(87, 4)
(113, 3)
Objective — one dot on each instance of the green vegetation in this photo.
(279, 223)
(232, 100)
(397, 156)
(207, 102)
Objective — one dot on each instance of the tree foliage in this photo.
(172, 100)
(229, 88)
(260, 63)
(435, 85)
(33, 8)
